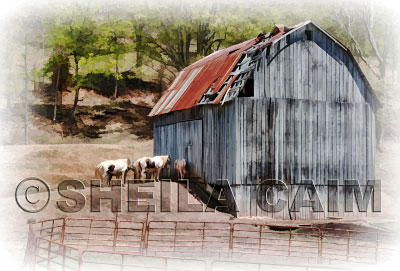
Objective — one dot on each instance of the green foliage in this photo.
(148, 36)
(114, 37)
(55, 62)
(104, 84)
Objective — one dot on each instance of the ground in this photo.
(98, 119)
(57, 162)
(111, 129)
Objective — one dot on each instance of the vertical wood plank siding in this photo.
(312, 117)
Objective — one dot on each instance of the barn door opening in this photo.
(190, 146)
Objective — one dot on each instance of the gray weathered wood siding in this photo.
(211, 140)
(312, 117)
(293, 140)
(319, 69)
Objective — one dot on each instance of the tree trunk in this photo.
(160, 79)
(61, 88)
(139, 46)
(26, 95)
(75, 103)
(72, 116)
(35, 85)
(43, 53)
(61, 95)
(116, 79)
(187, 48)
(56, 94)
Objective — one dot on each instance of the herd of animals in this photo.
(143, 168)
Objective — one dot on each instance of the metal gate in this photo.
(84, 244)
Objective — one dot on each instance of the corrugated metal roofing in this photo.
(210, 73)
(191, 83)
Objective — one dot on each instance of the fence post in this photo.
(80, 261)
(231, 240)
(202, 241)
(63, 262)
(41, 229)
(90, 232)
(320, 235)
(115, 231)
(35, 252)
(259, 240)
(348, 245)
(145, 231)
(63, 231)
(122, 262)
(49, 246)
(28, 251)
(176, 225)
(290, 240)
(146, 236)
(377, 248)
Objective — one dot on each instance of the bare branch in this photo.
(346, 24)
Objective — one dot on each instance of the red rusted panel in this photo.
(192, 82)
(215, 66)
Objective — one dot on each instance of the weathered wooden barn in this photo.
(291, 105)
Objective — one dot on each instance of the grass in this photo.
(78, 161)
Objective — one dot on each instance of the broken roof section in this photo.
(192, 82)
(219, 77)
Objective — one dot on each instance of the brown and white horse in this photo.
(119, 168)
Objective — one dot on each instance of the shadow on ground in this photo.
(95, 121)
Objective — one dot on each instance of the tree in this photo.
(80, 40)
(57, 67)
(363, 15)
(27, 35)
(113, 40)
(374, 54)
(179, 42)
(73, 37)
(138, 30)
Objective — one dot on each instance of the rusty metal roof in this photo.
(191, 83)
(209, 76)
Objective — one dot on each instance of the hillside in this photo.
(98, 119)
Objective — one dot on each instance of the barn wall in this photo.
(179, 134)
(251, 140)
(312, 117)
(220, 142)
(319, 69)
(212, 148)
(293, 140)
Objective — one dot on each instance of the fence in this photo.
(86, 244)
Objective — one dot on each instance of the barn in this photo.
(291, 105)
